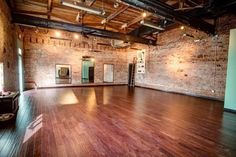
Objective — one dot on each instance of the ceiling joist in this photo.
(49, 8)
(135, 20)
(118, 12)
(162, 9)
(46, 23)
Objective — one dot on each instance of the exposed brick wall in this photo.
(42, 52)
(177, 64)
(8, 48)
(181, 65)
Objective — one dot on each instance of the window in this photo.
(20, 66)
(1, 77)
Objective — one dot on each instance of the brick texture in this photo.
(184, 65)
(42, 51)
(191, 65)
(8, 48)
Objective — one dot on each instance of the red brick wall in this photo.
(42, 53)
(179, 64)
(8, 48)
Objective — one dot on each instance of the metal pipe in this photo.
(84, 8)
(150, 24)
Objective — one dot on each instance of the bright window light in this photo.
(1, 77)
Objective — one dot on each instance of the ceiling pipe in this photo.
(152, 25)
(84, 8)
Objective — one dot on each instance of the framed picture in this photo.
(141, 62)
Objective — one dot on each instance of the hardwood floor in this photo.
(117, 121)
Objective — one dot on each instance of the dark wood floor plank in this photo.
(119, 121)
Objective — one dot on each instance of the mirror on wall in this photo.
(87, 70)
(108, 74)
(63, 74)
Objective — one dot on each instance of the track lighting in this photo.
(116, 5)
(150, 24)
(103, 21)
(84, 8)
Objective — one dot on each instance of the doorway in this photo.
(20, 68)
(87, 70)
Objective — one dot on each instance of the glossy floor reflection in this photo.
(117, 121)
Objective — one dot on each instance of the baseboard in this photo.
(193, 95)
(82, 85)
(230, 110)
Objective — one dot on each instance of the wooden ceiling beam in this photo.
(162, 9)
(35, 3)
(81, 14)
(214, 9)
(46, 23)
(63, 18)
(30, 12)
(136, 20)
(49, 8)
(117, 12)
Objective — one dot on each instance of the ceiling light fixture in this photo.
(104, 21)
(182, 27)
(58, 34)
(124, 25)
(76, 36)
(144, 14)
(188, 35)
(84, 8)
(116, 5)
(150, 24)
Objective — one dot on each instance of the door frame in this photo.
(87, 58)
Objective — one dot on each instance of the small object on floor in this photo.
(5, 93)
(6, 116)
(8, 105)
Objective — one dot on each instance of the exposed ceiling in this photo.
(123, 16)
